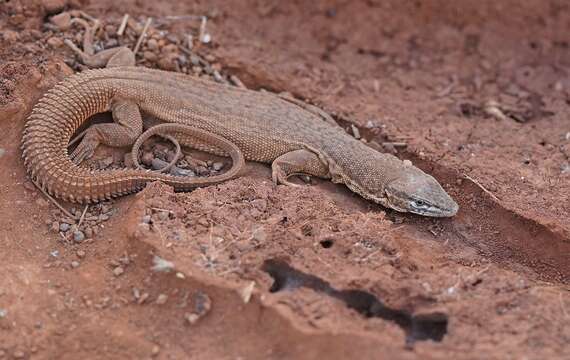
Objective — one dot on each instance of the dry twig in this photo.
(143, 35)
(54, 201)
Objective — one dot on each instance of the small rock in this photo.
(143, 298)
(75, 264)
(155, 350)
(147, 158)
(168, 61)
(29, 186)
(88, 232)
(202, 171)
(42, 203)
(260, 235)
(64, 227)
(78, 236)
(10, 36)
(170, 155)
(163, 215)
(218, 166)
(152, 44)
(150, 56)
(172, 38)
(55, 226)
(161, 299)
(80, 254)
(118, 271)
(106, 162)
(53, 6)
(192, 318)
(146, 219)
(158, 164)
(170, 48)
(18, 354)
(62, 21)
(176, 171)
(103, 217)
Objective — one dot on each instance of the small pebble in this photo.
(163, 215)
(55, 42)
(29, 186)
(62, 21)
(146, 219)
(103, 217)
(176, 171)
(172, 38)
(2, 152)
(218, 166)
(55, 226)
(106, 162)
(152, 44)
(18, 354)
(202, 171)
(170, 48)
(78, 236)
(75, 264)
(161, 299)
(88, 232)
(54, 6)
(80, 254)
(9, 36)
(150, 56)
(64, 227)
(42, 203)
(155, 350)
(118, 271)
(158, 164)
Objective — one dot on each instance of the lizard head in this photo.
(419, 193)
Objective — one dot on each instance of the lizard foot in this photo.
(86, 148)
(279, 177)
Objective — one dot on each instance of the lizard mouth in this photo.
(403, 203)
(435, 211)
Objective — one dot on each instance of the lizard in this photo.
(295, 138)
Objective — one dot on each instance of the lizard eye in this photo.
(420, 204)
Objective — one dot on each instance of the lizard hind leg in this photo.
(117, 56)
(124, 132)
(297, 162)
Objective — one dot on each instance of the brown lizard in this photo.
(217, 118)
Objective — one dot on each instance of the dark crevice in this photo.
(416, 327)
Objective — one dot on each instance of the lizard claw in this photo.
(85, 149)
(279, 177)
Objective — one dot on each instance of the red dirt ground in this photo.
(479, 92)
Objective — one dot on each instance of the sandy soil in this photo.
(477, 93)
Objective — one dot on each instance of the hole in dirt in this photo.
(416, 327)
(327, 243)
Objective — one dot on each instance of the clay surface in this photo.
(474, 92)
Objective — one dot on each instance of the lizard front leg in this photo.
(127, 128)
(298, 162)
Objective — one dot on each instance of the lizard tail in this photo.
(58, 115)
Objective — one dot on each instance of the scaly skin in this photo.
(265, 127)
